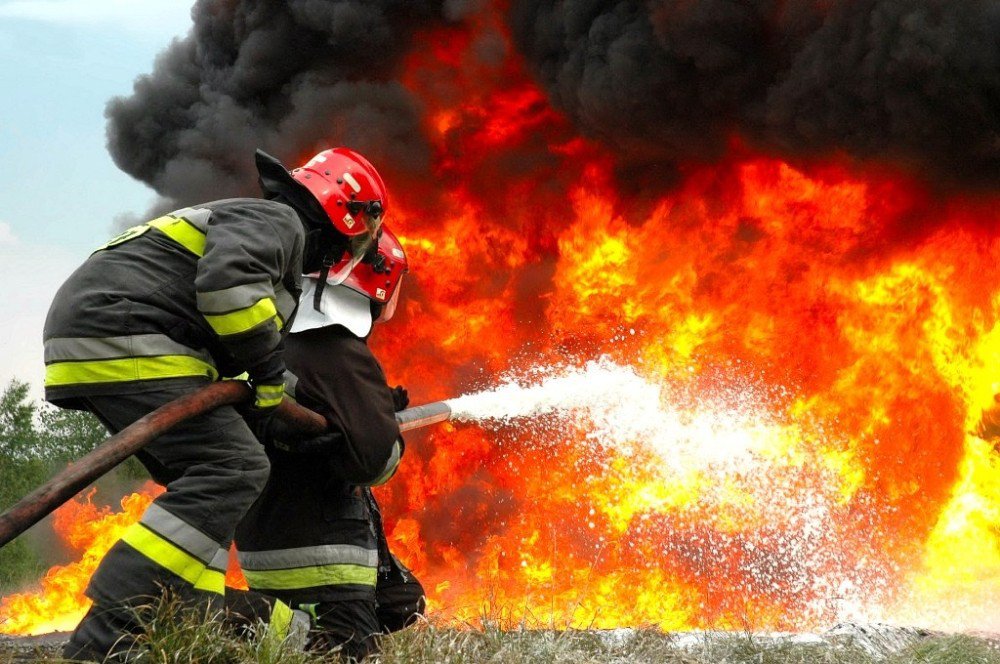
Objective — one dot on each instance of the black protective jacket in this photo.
(313, 535)
(199, 292)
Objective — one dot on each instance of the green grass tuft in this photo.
(174, 634)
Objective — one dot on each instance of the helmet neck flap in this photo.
(339, 305)
(277, 183)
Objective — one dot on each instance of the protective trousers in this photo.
(350, 628)
(213, 469)
(319, 545)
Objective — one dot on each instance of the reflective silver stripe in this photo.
(62, 349)
(220, 561)
(390, 466)
(308, 556)
(285, 302)
(177, 531)
(197, 217)
(233, 299)
(291, 381)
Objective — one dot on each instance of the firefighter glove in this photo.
(268, 382)
(321, 444)
(329, 441)
(400, 398)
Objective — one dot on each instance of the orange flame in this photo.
(856, 310)
(88, 531)
(836, 328)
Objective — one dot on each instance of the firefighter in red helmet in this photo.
(204, 292)
(314, 539)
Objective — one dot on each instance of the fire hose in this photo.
(78, 475)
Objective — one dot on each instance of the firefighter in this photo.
(314, 539)
(165, 308)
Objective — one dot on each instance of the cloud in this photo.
(33, 273)
(164, 17)
(7, 237)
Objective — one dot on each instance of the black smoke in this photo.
(915, 83)
(290, 77)
(911, 82)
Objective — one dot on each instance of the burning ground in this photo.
(752, 250)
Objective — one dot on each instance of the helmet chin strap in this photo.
(324, 243)
(321, 284)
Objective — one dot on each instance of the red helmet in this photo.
(379, 278)
(348, 188)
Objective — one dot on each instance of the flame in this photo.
(869, 356)
(835, 327)
(822, 344)
(88, 531)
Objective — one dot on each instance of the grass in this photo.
(173, 634)
(449, 646)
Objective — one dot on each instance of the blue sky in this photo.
(60, 62)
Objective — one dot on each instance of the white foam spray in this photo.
(617, 407)
(734, 435)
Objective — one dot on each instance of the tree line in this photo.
(36, 441)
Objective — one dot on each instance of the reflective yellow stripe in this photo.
(212, 581)
(181, 232)
(244, 319)
(170, 557)
(268, 396)
(126, 369)
(124, 236)
(175, 529)
(281, 619)
(311, 577)
(264, 399)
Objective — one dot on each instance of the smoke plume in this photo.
(288, 77)
(913, 82)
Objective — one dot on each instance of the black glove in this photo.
(268, 382)
(284, 439)
(400, 398)
(321, 444)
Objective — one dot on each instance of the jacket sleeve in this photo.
(252, 250)
(339, 378)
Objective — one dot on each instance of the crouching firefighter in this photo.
(201, 293)
(314, 539)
